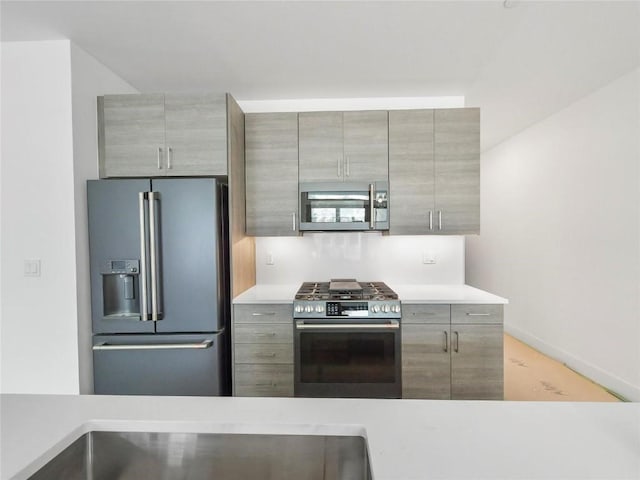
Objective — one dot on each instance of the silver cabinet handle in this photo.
(456, 348)
(293, 220)
(159, 158)
(347, 166)
(372, 212)
(439, 219)
(155, 346)
(446, 341)
(262, 335)
(391, 324)
(430, 220)
(153, 257)
(169, 152)
(339, 167)
(478, 314)
(265, 355)
(261, 314)
(144, 313)
(270, 384)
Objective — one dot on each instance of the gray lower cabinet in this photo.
(452, 351)
(434, 171)
(343, 146)
(150, 135)
(271, 156)
(263, 350)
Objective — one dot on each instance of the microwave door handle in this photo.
(372, 197)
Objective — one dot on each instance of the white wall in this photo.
(48, 151)
(89, 79)
(392, 259)
(39, 321)
(560, 234)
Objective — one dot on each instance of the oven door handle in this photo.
(390, 324)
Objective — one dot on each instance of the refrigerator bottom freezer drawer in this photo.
(160, 365)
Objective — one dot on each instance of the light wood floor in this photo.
(530, 375)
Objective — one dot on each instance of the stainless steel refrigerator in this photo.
(159, 286)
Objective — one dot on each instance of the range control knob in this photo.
(319, 308)
(299, 309)
(308, 308)
(395, 308)
(385, 308)
(375, 309)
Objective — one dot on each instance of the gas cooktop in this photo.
(346, 298)
(345, 289)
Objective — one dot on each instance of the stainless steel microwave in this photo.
(344, 206)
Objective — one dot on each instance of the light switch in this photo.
(269, 258)
(32, 268)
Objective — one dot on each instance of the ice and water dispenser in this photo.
(120, 288)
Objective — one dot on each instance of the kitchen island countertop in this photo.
(408, 439)
(416, 293)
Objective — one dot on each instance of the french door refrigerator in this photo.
(159, 286)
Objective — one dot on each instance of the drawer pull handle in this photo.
(265, 355)
(270, 334)
(478, 314)
(262, 314)
(265, 384)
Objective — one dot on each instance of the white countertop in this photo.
(408, 439)
(463, 294)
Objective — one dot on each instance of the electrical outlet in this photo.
(32, 268)
(270, 258)
(428, 258)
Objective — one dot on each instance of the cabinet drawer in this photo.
(263, 353)
(267, 313)
(263, 333)
(425, 313)
(477, 314)
(264, 380)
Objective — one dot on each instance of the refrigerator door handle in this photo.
(154, 346)
(144, 310)
(153, 256)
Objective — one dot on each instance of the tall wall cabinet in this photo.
(142, 135)
(434, 171)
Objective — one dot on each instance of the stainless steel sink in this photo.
(168, 456)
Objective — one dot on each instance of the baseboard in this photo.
(616, 385)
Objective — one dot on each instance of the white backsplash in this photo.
(363, 256)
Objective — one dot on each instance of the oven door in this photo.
(347, 358)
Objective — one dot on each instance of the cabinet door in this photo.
(196, 134)
(426, 361)
(321, 146)
(477, 363)
(411, 172)
(131, 135)
(271, 142)
(457, 170)
(366, 146)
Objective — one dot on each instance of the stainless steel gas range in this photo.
(347, 340)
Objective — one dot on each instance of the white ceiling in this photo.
(519, 64)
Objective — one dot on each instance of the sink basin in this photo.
(102, 455)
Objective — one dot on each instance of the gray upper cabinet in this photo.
(151, 135)
(196, 134)
(271, 143)
(434, 171)
(343, 146)
(457, 170)
(411, 172)
(366, 146)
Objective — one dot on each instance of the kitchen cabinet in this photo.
(271, 153)
(343, 146)
(263, 350)
(452, 351)
(434, 171)
(150, 135)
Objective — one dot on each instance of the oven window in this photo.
(346, 357)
